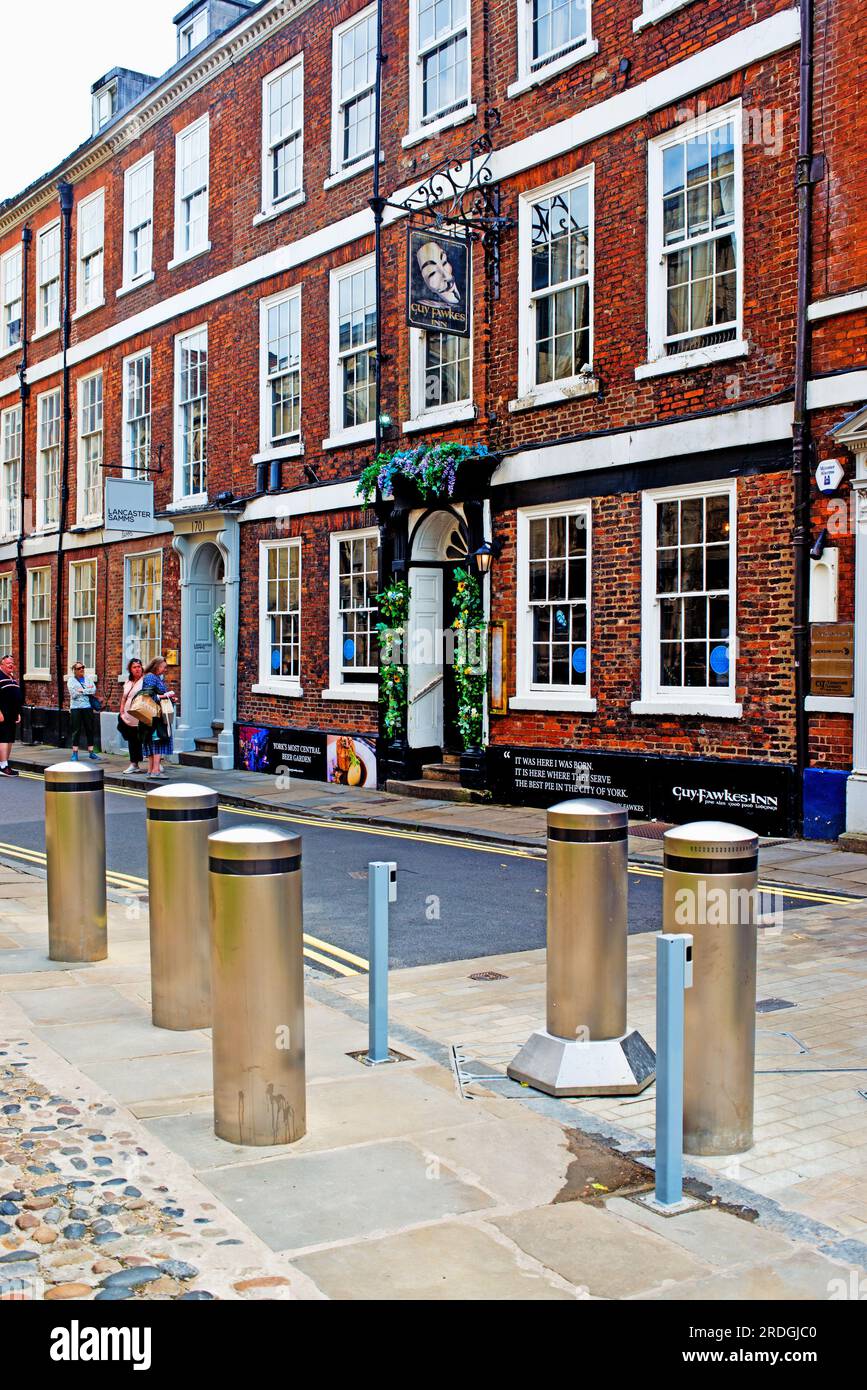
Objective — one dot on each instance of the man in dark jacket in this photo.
(10, 713)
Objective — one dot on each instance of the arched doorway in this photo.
(206, 661)
(437, 544)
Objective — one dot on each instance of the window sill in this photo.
(287, 692)
(189, 256)
(270, 214)
(697, 357)
(451, 118)
(652, 14)
(359, 434)
(136, 284)
(280, 451)
(829, 704)
(708, 709)
(576, 389)
(440, 418)
(45, 333)
(183, 504)
(557, 704)
(342, 175)
(7, 351)
(352, 692)
(87, 523)
(91, 309)
(36, 676)
(556, 65)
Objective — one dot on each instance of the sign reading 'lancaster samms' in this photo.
(129, 505)
(438, 282)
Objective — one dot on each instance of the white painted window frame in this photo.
(75, 569)
(92, 200)
(130, 281)
(339, 436)
(717, 702)
(129, 363)
(84, 517)
(422, 130)
(34, 672)
(181, 499)
(658, 363)
(268, 683)
(655, 10)
(528, 76)
(338, 687)
(42, 522)
(182, 253)
(187, 40)
(537, 697)
(424, 417)
(43, 327)
(128, 560)
(288, 448)
(5, 607)
(339, 168)
(14, 253)
(566, 389)
(270, 208)
(10, 468)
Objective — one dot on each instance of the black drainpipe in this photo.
(801, 422)
(65, 192)
(24, 395)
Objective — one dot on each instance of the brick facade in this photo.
(714, 421)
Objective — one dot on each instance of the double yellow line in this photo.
(322, 952)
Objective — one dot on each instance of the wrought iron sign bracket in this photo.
(460, 193)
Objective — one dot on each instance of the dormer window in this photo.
(192, 32)
(104, 106)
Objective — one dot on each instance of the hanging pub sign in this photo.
(129, 505)
(438, 282)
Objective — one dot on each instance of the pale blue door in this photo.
(202, 601)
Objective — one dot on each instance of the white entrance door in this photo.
(424, 654)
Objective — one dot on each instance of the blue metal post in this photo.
(377, 901)
(673, 975)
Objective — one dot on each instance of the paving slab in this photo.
(84, 1043)
(447, 1262)
(25, 959)
(316, 1199)
(154, 1080)
(805, 1277)
(73, 1004)
(516, 1162)
(717, 1237)
(594, 1248)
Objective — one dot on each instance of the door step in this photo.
(442, 772)
(435, 791)
(196, 759)
(206, 745)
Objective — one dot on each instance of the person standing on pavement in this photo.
(10, 713)
(157, 741)
(127, 724)
(82, 717)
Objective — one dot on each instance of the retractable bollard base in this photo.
(179, 820)
(75, 858)
(257, 976)
(586, 1048)
(710, 889)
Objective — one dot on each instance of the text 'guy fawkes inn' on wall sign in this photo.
(438, 282)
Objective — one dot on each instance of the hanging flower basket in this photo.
(430, 472)
(218, 624)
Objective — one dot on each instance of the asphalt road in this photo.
(454, 902)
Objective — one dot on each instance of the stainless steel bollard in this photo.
(257, 980)
(179, 820)
(75, 847)
(710, 890)
(586, 1049)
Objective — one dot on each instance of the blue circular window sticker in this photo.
(560, 618)
(348, 649)
(719, 661)
(579, 661)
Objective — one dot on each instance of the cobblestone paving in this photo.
(86, 1214)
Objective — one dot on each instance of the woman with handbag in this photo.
(127, 724)
(83, 706)
(157, 739)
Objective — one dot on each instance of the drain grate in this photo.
(488, 975)
(770, 1006)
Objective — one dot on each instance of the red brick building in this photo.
(664, 325)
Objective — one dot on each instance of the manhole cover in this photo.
(488, 975)
(770, 1006)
